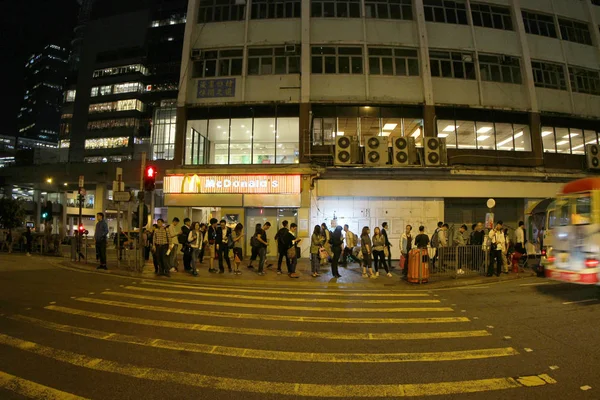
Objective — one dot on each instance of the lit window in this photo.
(106, 143)
(70, 96)
(484, 135)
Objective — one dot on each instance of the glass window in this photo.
(392, 127)
(413, 128)
(548, 141)
(218, 141)
(278, 60)
(447, 129)
(348, 126)
(452, 64)
(240, 145)
(564, 213)
(389, 9)
(485, 135)
(196, 149)
(445, 11)
(504, 137)
(574, 31)
(341, 60)
(288, 133)
(590, 137)
(465, 135)
(106, 143)
(70, 96)
(219, 63)
(113, 123)
(121, 70)
(388, 61)
(221, 10)
(539, 24)
(583, 210)
(500, 68)
(522, 137)
(584, 80)
(491, 16)
(264, 141)
(163, 133)
(105, 90)
(267, 9)
(370, 127)
(549, 75)
(563, 142)
(324, 131)
(577, 143)
(335, 8)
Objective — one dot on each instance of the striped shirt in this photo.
(161, 237)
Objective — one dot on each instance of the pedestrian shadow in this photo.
(568, 292)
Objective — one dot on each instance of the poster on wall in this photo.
(489, 220)
(232, 220)
(211, 88)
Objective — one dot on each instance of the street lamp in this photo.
(65, 184)
(48, 180)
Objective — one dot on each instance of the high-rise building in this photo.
(39, 116)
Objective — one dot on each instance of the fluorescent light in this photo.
(592, 142)
(502, 143)
(518, 135)
(339, 133)
(578, 147)
(443, 135)
(389, 127)
(546, 133)
(482, 138)
(570, 135)
(416, 133)
(484, 129)
(450, 128)
(385, 133)
(562, 142)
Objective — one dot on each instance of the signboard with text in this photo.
(232, 184)
(213, 88)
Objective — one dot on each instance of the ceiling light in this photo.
(416, 133)
(218, 127)
(389, 127)
(243, 126)
(482, 138)
(546, 133)
(502, 143)
(367, 107)
(570, 135)
(562, 142)
(518, 135)
(384, 133)
(578, 147)
(443, 135)
(270, 126)
(484, 129)
(450, 128)
(340, 133)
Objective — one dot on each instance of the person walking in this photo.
(316, 242)
(366, 249)
(379, 251)
(336, 242)
(204, 241)
(28, 241)
(161, 246)
(100, 236)
(152, 249)
(291, 241)
(254, 245)
(212, 238)
(183, 241)
(263, 243)
(223, 241)
(350, 244)
(282, 246)
(237, 237)
(173, 244)
(387, 250)
(497, 243)
(406, 243)
(194, 241)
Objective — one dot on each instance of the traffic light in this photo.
(47, 211)
(150, 178)
(82, 230)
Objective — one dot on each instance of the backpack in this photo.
(254, 241)
(182, 238)
(435, 239)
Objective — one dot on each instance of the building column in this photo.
(535, 125)
(37, 215)
(305, 136)
(429, 121)
(180, 133)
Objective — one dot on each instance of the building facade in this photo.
(269, 88)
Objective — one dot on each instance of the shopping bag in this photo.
(323, 253)
(402, 261)
(386, 251)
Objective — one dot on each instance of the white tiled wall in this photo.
(365, 211)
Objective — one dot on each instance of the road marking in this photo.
(267, 317)
(554, 367)
(580, 301)
(528, 350)
(294, 292)
(33, 390)
(293, 299)
(272, 332)
(265, 387)
(472, 287)
(272, 355)
(536, 284)
(585, 388)
(279, 307)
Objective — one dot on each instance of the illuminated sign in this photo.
(232, 184)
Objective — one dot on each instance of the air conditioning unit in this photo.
(346, 150)
(289, 49)
(404, 151)
(592, 156)
(376, 150)
(196, 55)
(435, 152)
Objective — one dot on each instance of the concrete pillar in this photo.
(429, 121)
(304, 133)
(180, 133)
(37, 200)
(535, 125)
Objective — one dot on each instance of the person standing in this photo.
(281, 246)
(212, 239)
(161, 246)
(406, 242)
(263, 243)
(203, 241)
(388, 246)
(194, 241)
(366, 249)
(291, 241)
(477, 240)
(28, 241)
(183, 241)
(327, 241)
(421, 240)
(152, 249)
(173, 244)
(336, 243)
(435, 241)
(316, 242)
(238, 240)
(223, 241)
(254, 245)
(379, 251)
(520, 238)
(350, 244)
(497, 243)
(100, 236)
(460, 242)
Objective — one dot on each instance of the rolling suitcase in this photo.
(418, 259)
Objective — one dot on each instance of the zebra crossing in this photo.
(182, 340)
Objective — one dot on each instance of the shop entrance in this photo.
(275, 216)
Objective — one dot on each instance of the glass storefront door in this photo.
(275, 216)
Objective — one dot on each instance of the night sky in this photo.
(27, 26)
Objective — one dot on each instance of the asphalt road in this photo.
(69, 334)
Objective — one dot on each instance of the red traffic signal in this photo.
(150, 178)
(81, 228)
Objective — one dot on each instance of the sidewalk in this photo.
(351, 277)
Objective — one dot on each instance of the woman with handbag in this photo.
(236, 236)
(254, 245)
(194, 241)
(326, 241)
(366, 247)
(379, 246)
(316, 243)
(406, 243)
(291, 242)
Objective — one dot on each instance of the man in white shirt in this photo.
(520, 238)
(349, 248)
(172, 231)
(497, 244)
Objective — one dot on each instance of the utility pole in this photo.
(142, 223)
(118, 188)
(79, 230)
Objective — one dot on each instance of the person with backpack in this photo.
(263, 242)
(336, 243)
(223, 244)
(194, 241)
(212, 238)
(291, 242)
(387, 250)
(280, 237)
(182, 238)
(435, 241)
(254, 245)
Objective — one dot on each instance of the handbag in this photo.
(386, 251)
(291, 252)
(402, 260)
(236, 259)
(323, 253)
(361, 255)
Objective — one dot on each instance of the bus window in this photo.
(583, 211)
(563, 213)
(551, 219)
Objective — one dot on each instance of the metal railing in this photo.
(459, 261)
